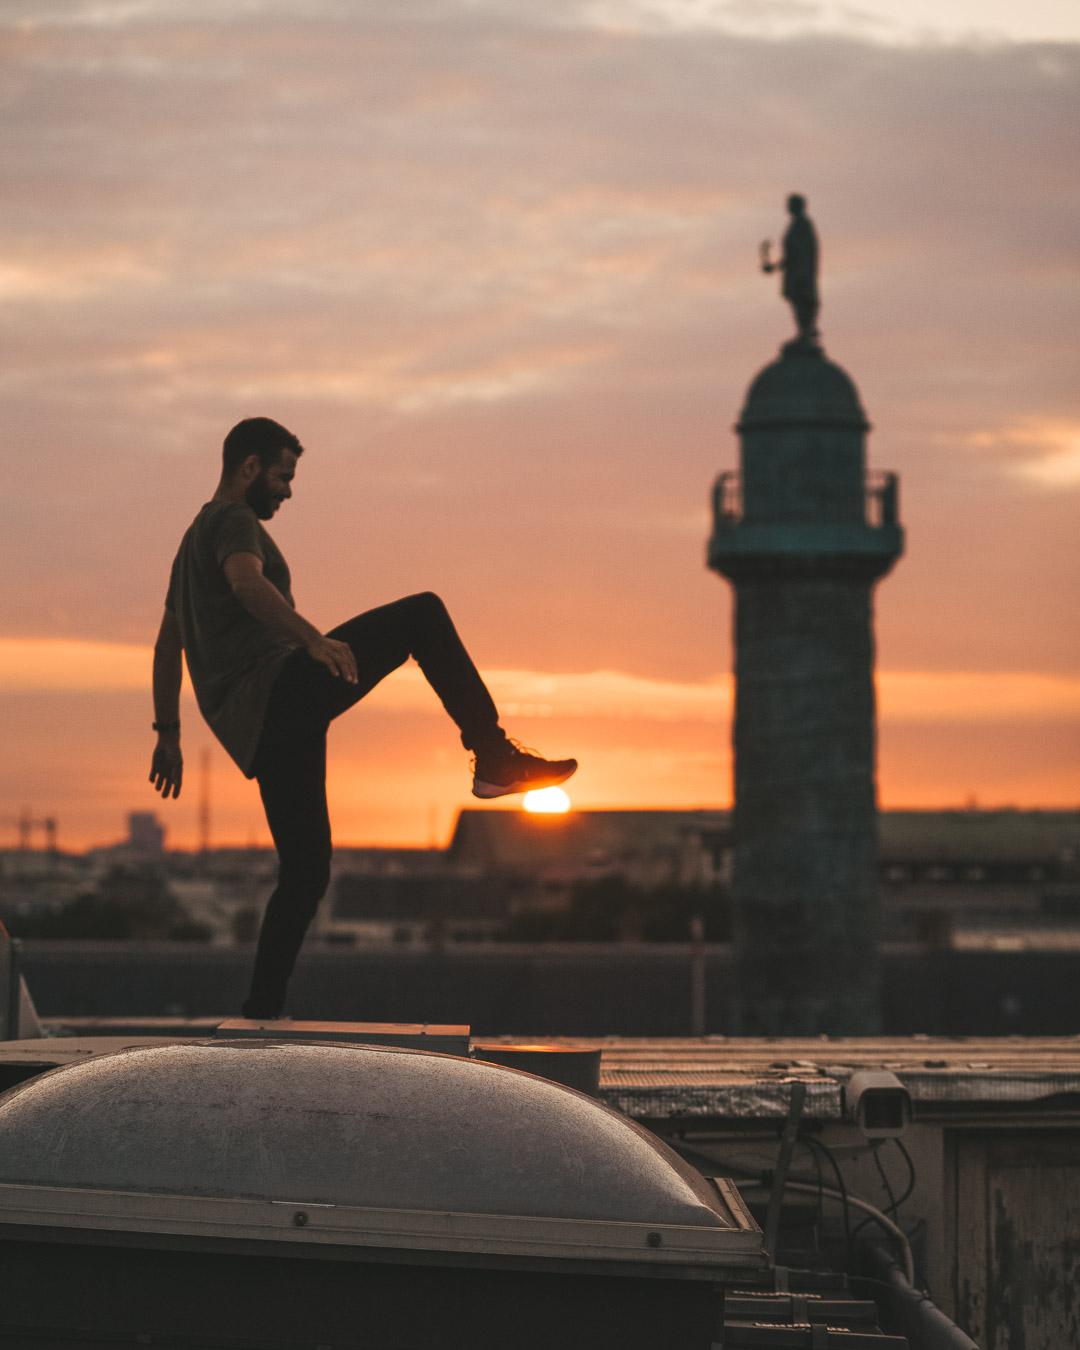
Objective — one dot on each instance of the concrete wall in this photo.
(621, 989)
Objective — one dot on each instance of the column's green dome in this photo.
(803, 387)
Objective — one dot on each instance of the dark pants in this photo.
(290, 764)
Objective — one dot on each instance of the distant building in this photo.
(1007, 880)
(33, 882)
(949, 878)
(542, 853)
(408, 896)
(647, 848)
(146, 834)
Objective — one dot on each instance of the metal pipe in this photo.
(892, 1228)
(920, 1319)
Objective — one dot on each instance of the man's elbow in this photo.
(168, 640)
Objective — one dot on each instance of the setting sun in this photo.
(546, 801)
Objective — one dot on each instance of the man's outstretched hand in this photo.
(167, 768)
(336, 656)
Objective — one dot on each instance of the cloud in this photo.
(915, 22)
(30, 665)
(1041, 451)
(495, 264)
(40, 665)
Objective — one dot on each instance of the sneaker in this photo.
(512, 768)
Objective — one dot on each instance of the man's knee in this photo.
(308, 877)
(428, 602)
(425, 612)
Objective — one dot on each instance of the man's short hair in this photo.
(260, 436)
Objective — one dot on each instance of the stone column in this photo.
(803, 537)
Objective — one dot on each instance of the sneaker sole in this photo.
(487, 791)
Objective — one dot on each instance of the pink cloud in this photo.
(517, 327)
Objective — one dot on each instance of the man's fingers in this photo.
(166, 777)
(339, 660)
(344, 662)
(348, 663)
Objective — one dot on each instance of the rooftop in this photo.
(719, 1077)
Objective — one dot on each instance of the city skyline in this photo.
(513, 333)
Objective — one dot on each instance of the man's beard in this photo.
(260, 498)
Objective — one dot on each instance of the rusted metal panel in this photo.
(988, 1086)
(660, 1079)
(762, 1100)
(1016, 1235)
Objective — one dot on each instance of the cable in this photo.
(891, 1208)
(841, 1189)
(820, 1182)
(883, 1219)
(897, 1201)
(911, 1173)
(840, 1193)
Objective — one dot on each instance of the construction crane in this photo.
(25, 822)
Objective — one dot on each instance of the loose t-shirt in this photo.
(232, 658)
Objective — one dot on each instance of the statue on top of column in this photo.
(799, 265)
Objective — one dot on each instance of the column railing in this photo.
(881, 499)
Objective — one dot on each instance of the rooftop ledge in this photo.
(719, 1077)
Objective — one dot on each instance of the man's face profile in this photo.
(272, 486)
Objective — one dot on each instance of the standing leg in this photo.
(291, 770)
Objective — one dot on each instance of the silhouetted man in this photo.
(799, 265)
(269, 684)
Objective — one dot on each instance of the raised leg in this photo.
(419, 627)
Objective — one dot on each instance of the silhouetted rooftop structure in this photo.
(514, 839)
(517, 841)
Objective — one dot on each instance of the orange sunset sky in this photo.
(496, 265)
